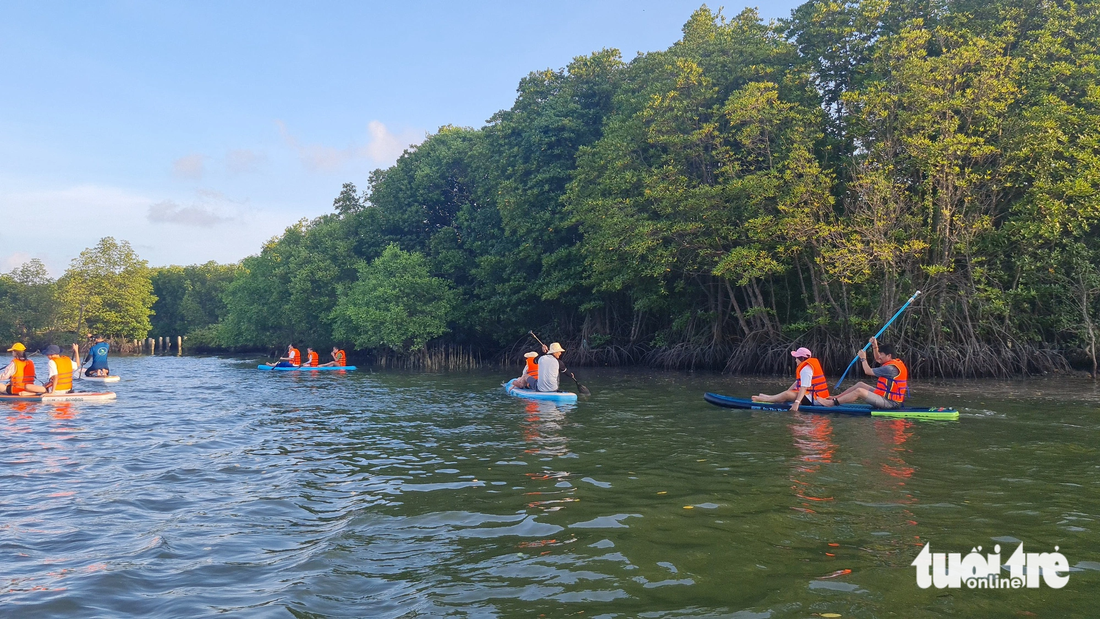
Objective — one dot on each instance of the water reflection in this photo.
(813, 439)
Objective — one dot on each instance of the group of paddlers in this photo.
(20, 374)
(293, 358)
(810, 387)
(542, 371)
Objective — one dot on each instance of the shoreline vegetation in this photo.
(754, 187)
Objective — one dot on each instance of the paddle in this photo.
(880, 332)
(584, 390)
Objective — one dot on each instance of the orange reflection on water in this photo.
(813, 438)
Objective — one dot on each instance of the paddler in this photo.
(809, 387)
(530, 374)
(61, 369)
(97, 354)
(312, 358)
(20, 373)
(550, 369)
(339, 358)
(893, 381)
(292, 359)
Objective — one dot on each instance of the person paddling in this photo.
(809, 385)
(893, 381)
(550, 369)
(20, 373)
(339, 359)
(61, 369)
(292, 359)
(97, 354)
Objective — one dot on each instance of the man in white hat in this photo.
(550, 369)
(809, 385)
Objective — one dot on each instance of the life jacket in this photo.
(24, 375)
(818, 387)
(532, 367)
(341, 358)
(314, 360)
(894, 388)
(64, 373)
(295, 356)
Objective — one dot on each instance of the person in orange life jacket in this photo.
(339, 359)
(893, 381)
(20, 373)
(312, 359)
(61, 369)
(530, 374)
(292, 359)
(809, 385)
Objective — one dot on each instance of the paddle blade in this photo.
(584, 390)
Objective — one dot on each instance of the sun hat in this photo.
(530, 355)
(555, 347)
(17, 347)
(802, 352)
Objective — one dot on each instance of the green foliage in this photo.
(107, 289)
(189, 298)
(395, 303)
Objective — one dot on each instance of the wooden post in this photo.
(152, 346)
(179, 345)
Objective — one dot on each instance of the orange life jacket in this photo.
(295, 356)
(532, 367)
(818, 388)
(314, 360)
(64, 373)
(24, 375)
(341, 358)
(894, 388)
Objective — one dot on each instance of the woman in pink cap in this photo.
(809, 385)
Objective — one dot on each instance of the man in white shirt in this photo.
(550, 369)
(59, 382)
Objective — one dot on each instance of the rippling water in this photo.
(211, 488)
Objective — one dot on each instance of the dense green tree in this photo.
(107, 289)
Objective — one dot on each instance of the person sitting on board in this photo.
(809, 385)
(97, 354)
(530, 374)
(20, 373)
(892, 386)
(339, 359)
(292, 359)
(61, 369)
(312, 358)
(550, 369)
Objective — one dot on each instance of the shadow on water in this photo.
(209, 487)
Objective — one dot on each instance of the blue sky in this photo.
(198, 130)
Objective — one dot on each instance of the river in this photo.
(211, 488)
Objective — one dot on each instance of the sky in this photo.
(199, 130)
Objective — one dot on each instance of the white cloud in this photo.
(168, 212)
(189, 167)
(243, 161)
(13, 261)
(382, 148)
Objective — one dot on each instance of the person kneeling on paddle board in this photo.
(530, 376)
(97, 354)
(21, 373)
(550, 369)
(809, 385)
(339, 359)
(892, 386)
(292, 359)
(61, 369)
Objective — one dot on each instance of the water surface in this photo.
(211, 488)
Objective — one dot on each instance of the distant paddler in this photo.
(809, 385)
(292, 359)
(893, 381)
(97, 354)
(550, 369)
(61, 369)
(20, 373)
(339, 358)
(312, 358)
